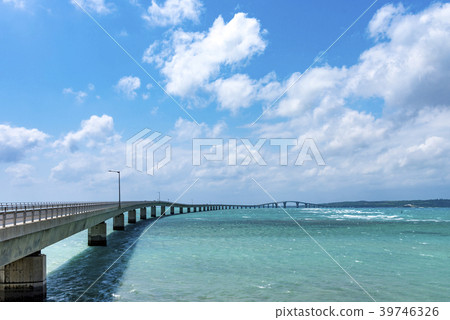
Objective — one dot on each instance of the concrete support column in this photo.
(189, 209)
(195, 209)
(163, 210)
(181, 209)
(284, 205)
(143, 213)
(119, 222)
(97, 235)
(172, 210)
(153, 212)
(132, 216)
(24, 279)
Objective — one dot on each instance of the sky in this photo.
(315, 101)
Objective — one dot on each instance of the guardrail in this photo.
(12, 214)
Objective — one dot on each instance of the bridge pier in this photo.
(24, 279)
(153, 212)
(119, 222)
(132, 216)
(143, 213)
(181, 210)
(163, 210)
(172, 210)
(97, 235)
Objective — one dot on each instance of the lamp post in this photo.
(116, 171)
(159, 196)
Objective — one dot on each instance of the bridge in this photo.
(27, 228)
(284, 204)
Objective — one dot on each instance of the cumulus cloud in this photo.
(190, 60)
(405, 144)
(382, 21)
(407, 69)
(410, 69)
(16, 141)
(128, 86)
(93, 132)
(173, 12)
(96, 6)
(235, 92)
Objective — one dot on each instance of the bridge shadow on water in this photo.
(68, 282)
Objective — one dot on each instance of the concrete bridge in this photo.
(284, 204)
(27, 228)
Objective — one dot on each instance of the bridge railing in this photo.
(12, 214)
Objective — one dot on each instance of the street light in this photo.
(159, 196)
(116, 171)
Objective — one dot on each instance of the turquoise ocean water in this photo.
(261, 255)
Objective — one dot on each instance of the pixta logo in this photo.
(142, 149)
(242, 152)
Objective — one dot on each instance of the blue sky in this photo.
(376, 104)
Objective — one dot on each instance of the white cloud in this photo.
(97, 6)
(128, 86)
(410, 69)
(173, 12)
(20, 4)
(189, 60)
(80, 96)
(93, 132)
(16, 141)
(320, 87)
(20, 173)
(186, 130)
(381, 22)
(235, 92)
(407, 144)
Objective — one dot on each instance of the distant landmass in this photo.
(435, 203)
